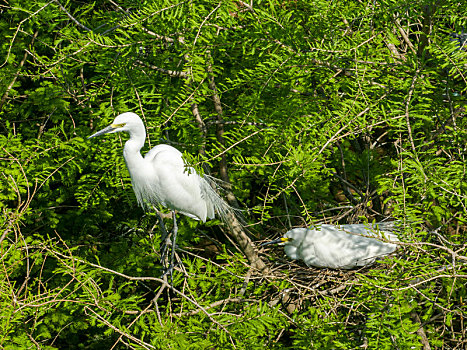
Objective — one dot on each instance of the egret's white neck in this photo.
(131, 150)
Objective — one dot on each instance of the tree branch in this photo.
(172, 73)
(201, 126)
(428, 11)
(71, 17)
(236, 227)
(421, 331)
(21, 64)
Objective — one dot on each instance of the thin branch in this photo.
(201, 125)
(428, 11)
(407, 119)
(236, 228)
(172, 73)
(71, 17)
(21, 64)
(118, 330)
(140, 313)
(204, 21)
(18, 28)
(165, 38)
(347, 184)
(248, 6)
(188, 99)
(234, 122)
(404, 36)
(235, 144)
(220, 117)
(149, 278)
(421, 331)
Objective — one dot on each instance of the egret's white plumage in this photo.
(162, 177)
(339, 247)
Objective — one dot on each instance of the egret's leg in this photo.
(165, 239)
(171, 262)
(165, 234)
(166, 263)
(174, 239)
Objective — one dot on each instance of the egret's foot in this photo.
(168, 258)
(168, 271)
(165, 247)
(168, 254)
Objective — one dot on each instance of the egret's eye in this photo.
(115, 126)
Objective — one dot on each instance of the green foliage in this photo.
(331, 111)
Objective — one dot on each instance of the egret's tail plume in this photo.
(219, 206)
(235, 221)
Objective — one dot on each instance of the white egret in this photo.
(339, 247)
(162, 177)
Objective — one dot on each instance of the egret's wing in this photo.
(334, 247)
(383, 230)
(328, 247)
(174, 184)
(172, 153)
(180, 187)
(292, 252)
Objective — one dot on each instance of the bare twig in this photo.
(122, 334)
(404, 36)
(407, 104)
(407, 118)
(428, 11)
(165, 38)
(133, 278)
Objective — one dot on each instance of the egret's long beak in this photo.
(276, 241)
(102, 132)
(110, 128)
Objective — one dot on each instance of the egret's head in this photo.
(129, 122)
(296, 236)
(293, 237)
(291, 242)
(280, 241)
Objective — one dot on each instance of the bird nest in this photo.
(308, 285)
